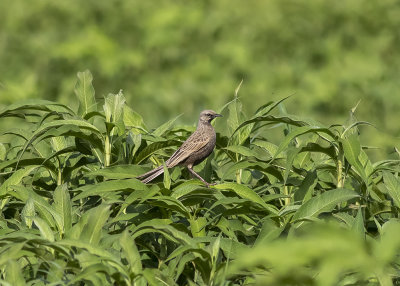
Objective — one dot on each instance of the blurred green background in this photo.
(173, 57)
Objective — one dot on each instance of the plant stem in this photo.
(339, 166)
(286, 193)
(59, 177)
(238, 172)
(239, 176)
(107, 150)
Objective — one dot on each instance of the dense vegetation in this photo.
(311, 210)
(184, 56)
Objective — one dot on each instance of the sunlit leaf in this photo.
(84, 91)
(245, 193)
(44, 228)
(62, 205)
(323, 203)
(93, 230)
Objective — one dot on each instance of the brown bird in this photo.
(193, 151)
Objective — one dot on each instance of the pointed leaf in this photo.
(246, 193)
(66, 126)
(85, 92)
(114, 110)
(16, 178)
(352, 150)
(131, 252)
(154, 147)
(13, 274)
(3, 152)
(44, 228)
(392, 185)
(62, 205)
(96, 220)
(133, 119)
(167, 178)
(103, 188)
(35, 104)
(28, 212)
(161, 129)
(297, 132)
(323, 203)
(358, 224)
(42, 207)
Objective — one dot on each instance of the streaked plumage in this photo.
(193, 151)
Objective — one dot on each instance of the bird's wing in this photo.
(193, 144)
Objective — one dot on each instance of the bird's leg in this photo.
(198, 176)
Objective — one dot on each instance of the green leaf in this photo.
(3, 152)
(117, 172)
(131, 252)
(291, 154)
(133, 119)
(167, 202)
(163, 226)
(47, 130)
(85, 93)
(16, 178)
(37, 161)
(352, 150)
(154, 147)
(58, 143)
(13, 273)
(297, 132)
(246, 193)
(235, 117)
(358, 224)
(323, 203)
(389, 243)
(35, 104)
(197, 226)
(28, 212)
(151, 278)
(62, 205)
(268, 146)
(188, 187)
(138, 195)
(235, 109)
(167, 178)
(164, 127)
(114, 110)
(91, 273)
(313, 147)
(106, 256)
(43, 208)
(242, 150)
(268, 232)
(306, 186)
(44, 228)
(272, 119)
(96, 220)
(134, 141)
(215, 249)
(101, 189)
(189, 249)
(392, 185)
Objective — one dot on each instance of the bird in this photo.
(193, 151)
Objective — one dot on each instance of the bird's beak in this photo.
(217, 115)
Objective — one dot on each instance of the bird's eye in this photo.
(208, 114)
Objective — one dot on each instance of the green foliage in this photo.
(312, 210)
(173, 57)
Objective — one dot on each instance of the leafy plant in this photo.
(312, 210)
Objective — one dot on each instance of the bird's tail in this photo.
(151, 175)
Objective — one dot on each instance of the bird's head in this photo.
(208, 115)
